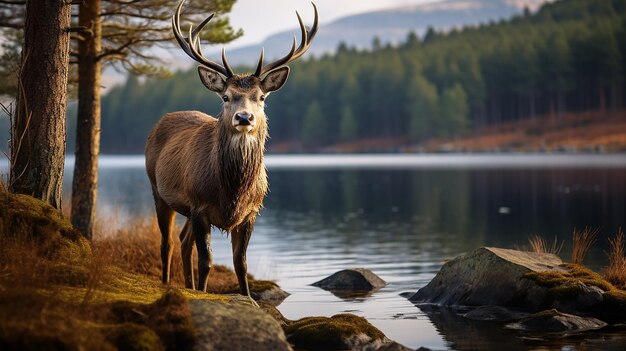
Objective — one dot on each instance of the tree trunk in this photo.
(85, 182)
(38, 127)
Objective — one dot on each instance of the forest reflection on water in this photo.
(400, 216)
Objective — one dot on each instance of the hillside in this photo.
(593, 131)
(390, 26)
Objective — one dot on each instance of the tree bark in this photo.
(85, 182)
(38, 126)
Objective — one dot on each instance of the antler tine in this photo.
(303, 33)
(307, 38)
(191, 44)
(260, 65)
(225, 62)
(281, 62)
(304, 46)
(182, 41)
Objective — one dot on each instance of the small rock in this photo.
(274, 296)
(356, 279)
(495, 314)
(235, 326)
(553, 321)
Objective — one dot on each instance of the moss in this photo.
(169, 317)
(124, 286)
(334, 333)
(24, 218)
(565, 284)
(133, 337)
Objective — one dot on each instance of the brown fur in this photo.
(204, 169)
(211, 170)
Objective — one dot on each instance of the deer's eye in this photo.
(225, 98)
(262, 98)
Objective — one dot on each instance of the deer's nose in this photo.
(244, 118)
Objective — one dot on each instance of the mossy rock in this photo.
(568, 287)
(24, 218)
(339, 332)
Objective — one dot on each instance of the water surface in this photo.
(401, 216)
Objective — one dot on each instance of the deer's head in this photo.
(243, 95)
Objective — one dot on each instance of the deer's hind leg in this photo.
(165, 218)
(202, 235)
(186, 251)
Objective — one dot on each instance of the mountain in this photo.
(390, 26)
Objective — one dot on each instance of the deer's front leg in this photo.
(240, 239)
(201, 232)
(186, 250)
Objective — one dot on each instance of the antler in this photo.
(307, 38)
(191, 44)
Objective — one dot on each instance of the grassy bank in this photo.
(57, 291)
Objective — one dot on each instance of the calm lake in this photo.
(402, 216)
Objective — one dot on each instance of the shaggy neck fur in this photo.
(241, 160)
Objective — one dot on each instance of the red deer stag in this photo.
(211, 169)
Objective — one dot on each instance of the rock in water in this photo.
(494, 313)
(490, 276)
(556, 322)
(356, 279)
(235, 326)
(339, 332)
(273, 295)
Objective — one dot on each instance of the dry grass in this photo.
(615, 272)
(582, 241)
(136, 248)
(539, 244)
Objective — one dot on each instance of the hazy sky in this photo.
(261, 18)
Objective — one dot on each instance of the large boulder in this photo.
(523, 281)
(490, 276)
(356, 279)
(235, 326)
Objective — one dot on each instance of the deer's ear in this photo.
(211, 79)
(275, 79)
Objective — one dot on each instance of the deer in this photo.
(211, 169)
